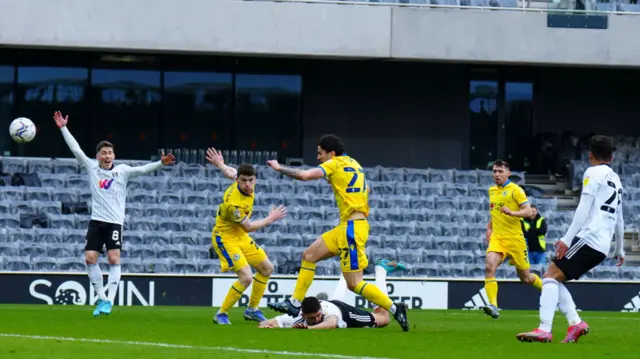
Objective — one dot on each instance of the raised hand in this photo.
(277, 213)
(214, 157)
(60, 121)
(168, 159)
(274, 164)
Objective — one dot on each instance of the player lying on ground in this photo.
(585, 245)
(235, 248)
(335, 313)
(108, 184)
(348, 239)
(507, 204)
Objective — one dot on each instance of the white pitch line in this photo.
(581, 316)
(185, 346)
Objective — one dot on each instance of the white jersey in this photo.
(108, 187)
(604, 185)
(328, 309)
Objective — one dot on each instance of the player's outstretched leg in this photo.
(548, 305)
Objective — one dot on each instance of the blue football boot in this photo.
(285, 307)
(221, 318)
(99, 307)
(255, 315)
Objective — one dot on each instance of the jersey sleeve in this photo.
(589, 182)
(287, 321)
(519, 196)
(328, 167)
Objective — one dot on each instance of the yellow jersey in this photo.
(235, 207)
(511, 196)
(349, 185)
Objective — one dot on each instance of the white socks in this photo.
(567, 306)
(341, 290)
(548, 303)
(112, 281)
(95, 277)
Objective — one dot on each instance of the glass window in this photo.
(268, 113)
(519, 125)
(483, 112)
(6, 107)
(198, 110)
(125, 110)
(42, 90)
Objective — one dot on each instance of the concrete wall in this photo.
(289, 29)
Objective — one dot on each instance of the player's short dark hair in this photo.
(534, 206)
(601, 147)
(332, 143)
(103, 144)
(502, 163)
(246, 170)
(310, 305)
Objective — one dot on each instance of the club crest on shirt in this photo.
(236, 214)
(504, 193)
(236, 257)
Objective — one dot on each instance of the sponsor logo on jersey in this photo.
(105, 184)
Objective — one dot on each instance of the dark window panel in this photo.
(483, 114)
(125, 107)
(6, 106)
(268, 113)
(198, 110)
(41, 90)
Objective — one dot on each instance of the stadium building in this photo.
(423, 102)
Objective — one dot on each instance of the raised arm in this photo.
(61, 122)
(215, 158)
(150, 167)
(275, 214)
(523, 202)
(297, 173)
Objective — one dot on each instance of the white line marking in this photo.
(184, 346)
(581, 316)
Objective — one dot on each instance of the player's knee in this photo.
(309, 256)
(526, 278)
(113, 259)
(90, 258)
(489, 269)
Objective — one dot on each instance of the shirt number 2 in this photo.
(354, 179)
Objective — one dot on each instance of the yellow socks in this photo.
(305, 278)
(259, 285)
(235, 292)
(537, 283)
(374, 295)
(491, 287)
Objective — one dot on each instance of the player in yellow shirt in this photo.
(231, 241)
(348, 239)
(507, 204)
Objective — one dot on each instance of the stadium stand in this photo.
(618, 6)
(433, 219)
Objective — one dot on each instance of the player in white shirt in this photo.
(108, 185)
(335, 313)
(586, 244)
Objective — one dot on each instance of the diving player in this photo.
(235, 248)
(335, 313)
(348, 239)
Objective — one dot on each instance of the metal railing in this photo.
(483, 8)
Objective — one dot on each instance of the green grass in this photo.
(434, 334)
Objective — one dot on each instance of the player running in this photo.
(108, 185)
(235, 248)
(507, 204)
(585, 245)
(348, 239)
(335, 313)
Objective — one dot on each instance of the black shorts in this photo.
(580, 259)
(354, 317)
(103, 234)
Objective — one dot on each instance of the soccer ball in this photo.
(22, 130)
